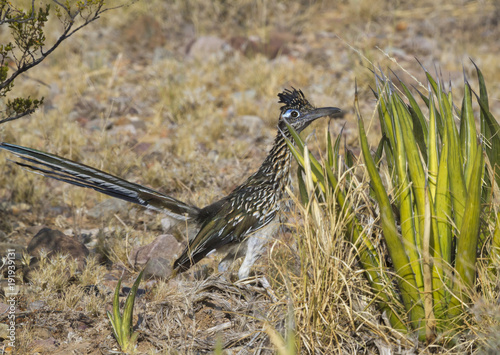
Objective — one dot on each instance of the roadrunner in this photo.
(240, 223)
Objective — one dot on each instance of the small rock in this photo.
(318, 57)
(401, 26)
(158, 268)
(150, 284)
(58, 210)
(111, 276)
(52, 241)
(126, 129)
(87, 235)
(164, 246)
(207, 46)
(109, 282)
(92, 290)
(12, 289)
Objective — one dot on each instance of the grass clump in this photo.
(58, 281)
(434, 193)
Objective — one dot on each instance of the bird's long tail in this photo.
(85, 176)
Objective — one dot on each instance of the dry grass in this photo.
(331, 301)
(123, 96)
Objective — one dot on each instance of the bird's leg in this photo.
(256, 244)
(233, 252)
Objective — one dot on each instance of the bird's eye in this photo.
(291, 114)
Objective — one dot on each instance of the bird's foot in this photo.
(258, 281)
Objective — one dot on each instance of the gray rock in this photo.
(51, 242)
(207, 46)
(158, 268)
(164, 246)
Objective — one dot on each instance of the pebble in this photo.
(164, 246)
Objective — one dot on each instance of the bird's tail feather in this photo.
(85, 176)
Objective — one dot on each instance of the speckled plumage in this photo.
(244, 215)
(240, 223)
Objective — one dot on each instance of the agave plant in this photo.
(439, 178)
(123, 324)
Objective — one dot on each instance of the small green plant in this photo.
(122, 325)
(27, 45)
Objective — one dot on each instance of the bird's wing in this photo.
(227, 226)
(85, 176)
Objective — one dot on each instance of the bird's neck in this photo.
(276, 166)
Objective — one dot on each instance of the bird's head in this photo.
(298, 112)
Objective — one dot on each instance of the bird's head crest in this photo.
(293, 99)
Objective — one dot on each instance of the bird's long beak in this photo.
(320, 112)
